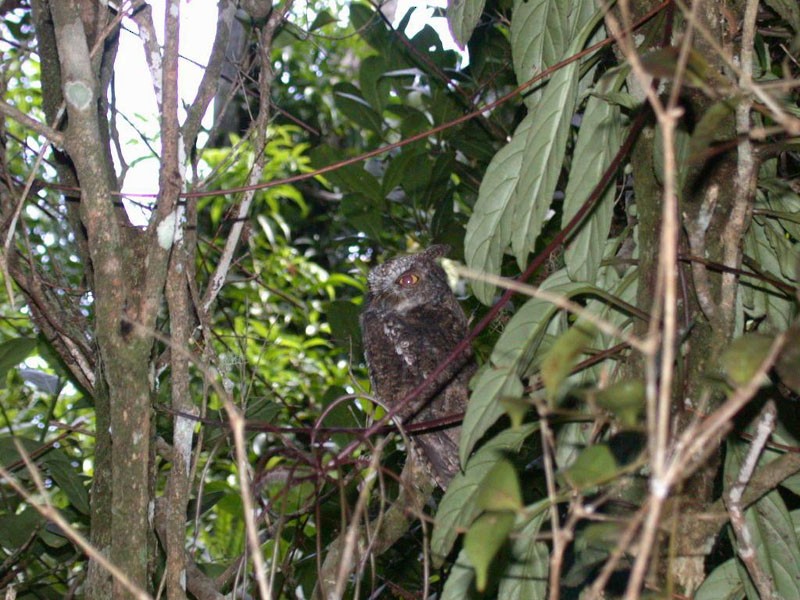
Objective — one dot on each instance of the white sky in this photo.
(135, 96)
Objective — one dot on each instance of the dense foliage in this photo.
(188, 399)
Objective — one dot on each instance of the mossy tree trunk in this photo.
(714, 202)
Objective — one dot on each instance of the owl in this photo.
(410, 323)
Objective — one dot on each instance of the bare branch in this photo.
(259, 144)
(744, 537)
(55, 137)
(211, 74)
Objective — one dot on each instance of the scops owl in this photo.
(410, 323)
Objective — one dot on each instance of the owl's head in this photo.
(406, 282)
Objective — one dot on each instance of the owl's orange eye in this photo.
(407, 279)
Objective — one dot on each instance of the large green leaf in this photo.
(500, 489)
(510, 360)
(483, 540)
(595, 464)
(374, 87)
(723, 583)
(542, 160)
(458, 507)
(518, 185)
(493, 386)
(544, 151)
(9, 455)
(563, 354)
(762, 300)
(538, 38)
(489, 229)
(459, 583)
(526, 576)
(16, 529)
(348, 99)
(598, 141)
(350, 178)
(788, 10)
(778, 196)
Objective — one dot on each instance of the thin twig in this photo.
(733, 500)
(259, 144)
(248, 504)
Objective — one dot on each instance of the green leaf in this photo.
(363, 214)
(411, 170)
(625, 399)
(599, 536)
(542, 160)
(68, 479)
(526, 575)
(463, 16)
(594, 465)
(764, 299)
(13, 352)
(490, 226)
(208, 501)
(343, 318)
(777, 195)
(545, 145)
(374, 87)
(16, 529)
(592, 546)
(621, 99)
(723, 583)
(516, 408)
(743, 357)
(484, 539)
(8, 449)
(511, 359)
(563, 354)
(348, 99)
(458, 507)
(784, 250)
(459, 582)
(500, 489)
(350, 178)
(323, 18)
(539, 38)
(710, 129)
(599, 138)
(484, 407)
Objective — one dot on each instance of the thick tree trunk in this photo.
(72, 75)
(714, 215)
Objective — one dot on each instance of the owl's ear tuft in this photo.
(437, 251)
